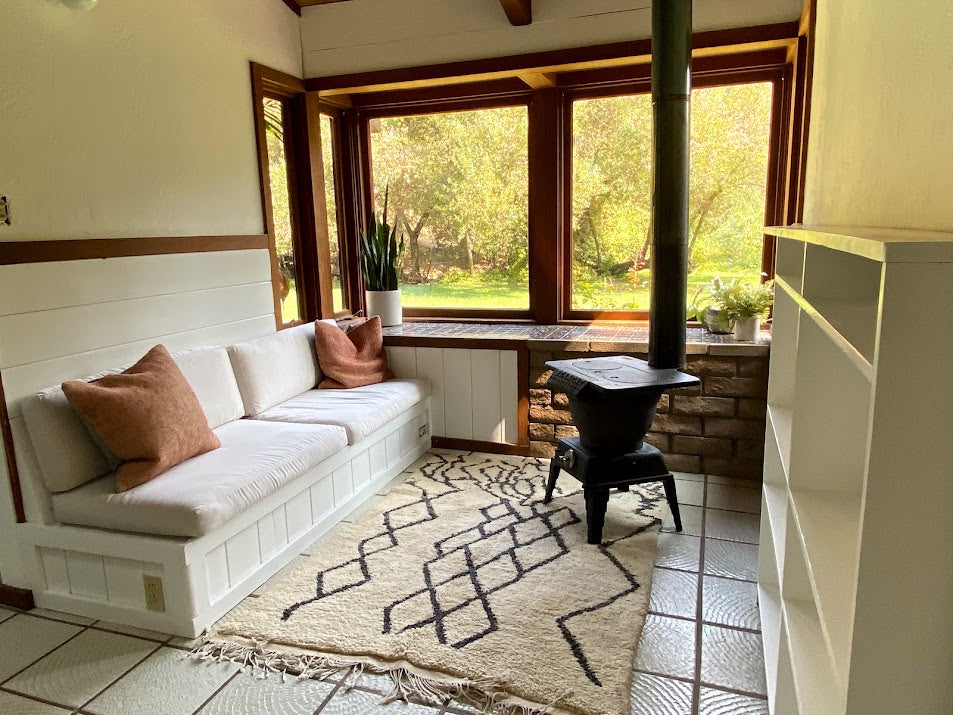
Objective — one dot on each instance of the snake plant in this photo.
(381, 252)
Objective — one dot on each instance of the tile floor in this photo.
(700, 652)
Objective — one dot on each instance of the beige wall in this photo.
(379, 34)
(134, 118)
(881, 142)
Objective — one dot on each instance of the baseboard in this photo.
(21, 598)
(475, 445)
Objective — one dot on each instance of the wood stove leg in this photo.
(597, 500)
(669, 484)
(551, 482)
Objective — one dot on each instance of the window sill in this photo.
(569, 338)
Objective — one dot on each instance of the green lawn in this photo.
(514, 294)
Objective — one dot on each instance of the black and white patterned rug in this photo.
(460, 581)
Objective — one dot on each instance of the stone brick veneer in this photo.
(716, 428)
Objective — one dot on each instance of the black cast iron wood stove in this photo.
(612, 401)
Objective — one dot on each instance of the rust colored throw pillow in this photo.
(354, 358)
(148, 416)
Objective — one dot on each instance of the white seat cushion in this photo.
(193, 498)
(360, 410)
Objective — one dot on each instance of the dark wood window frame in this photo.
(302, 132)
(723, 71)
(547, 83)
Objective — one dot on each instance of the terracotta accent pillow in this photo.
(354, 358)
(148, 416)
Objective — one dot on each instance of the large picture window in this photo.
(612, 194)
(457, 187)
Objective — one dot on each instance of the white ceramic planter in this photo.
(747, 328)
(386, 304)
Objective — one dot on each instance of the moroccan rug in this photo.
(461, 582)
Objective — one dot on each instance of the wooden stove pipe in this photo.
(671, 104)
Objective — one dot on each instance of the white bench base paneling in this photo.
(99, 574)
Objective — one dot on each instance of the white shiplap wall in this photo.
(69, 319)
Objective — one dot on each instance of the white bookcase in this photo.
(856, 559)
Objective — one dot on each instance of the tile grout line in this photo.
(716, 624)
(49, 652)
(37, 698)
(696, 684)
(124, 674)
(332, 694)
(712, 575)
(219, 689)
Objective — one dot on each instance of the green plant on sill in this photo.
(705, 298)
(381, 253)
(743, 300)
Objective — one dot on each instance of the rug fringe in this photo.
(407, 683)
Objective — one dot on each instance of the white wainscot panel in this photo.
(430, 366)
(485, 401)
(509, 395)
(402, 360)
(457, 394)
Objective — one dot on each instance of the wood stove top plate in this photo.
(621, 373)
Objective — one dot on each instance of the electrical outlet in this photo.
(4, 211)
(155, 599)
(422, 430)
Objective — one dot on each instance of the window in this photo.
(612, 200)
(457, 187)
(330, 196)
(280, 180)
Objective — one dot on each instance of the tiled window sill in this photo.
(575, 338)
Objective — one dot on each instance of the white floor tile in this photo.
(6, 613)
(690, 492)
(359, 702)
(730, 602)
(732, 659)
(147, 687)
(75, 672)
(690, 476)
(733, 525)
(718, 702)
(132, 631)
(247, 694)
(691, 520)
(731, 559)
(667, 647)
(721, 496)
(25, 639)
(660, 696)
(189, 643)
(678, 551)
(15, 705)
(59, 616)
(674, 593)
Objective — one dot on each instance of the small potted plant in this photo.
(706, 308)
(381, 251)
(746, 304)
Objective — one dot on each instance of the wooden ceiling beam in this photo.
(538, 80)
(519, 12)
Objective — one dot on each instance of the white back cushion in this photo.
(64, 449)
(68, 454)
(276, 367)
(209, 372)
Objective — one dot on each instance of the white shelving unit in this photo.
(856, 560)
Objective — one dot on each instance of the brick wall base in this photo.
(715, 428)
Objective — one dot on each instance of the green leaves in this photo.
(381, 252)
(742, 300)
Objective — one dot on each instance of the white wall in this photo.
(135, 118)
(363, 35)
(881, 137)
(132, 119)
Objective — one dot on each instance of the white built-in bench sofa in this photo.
(178, 552)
